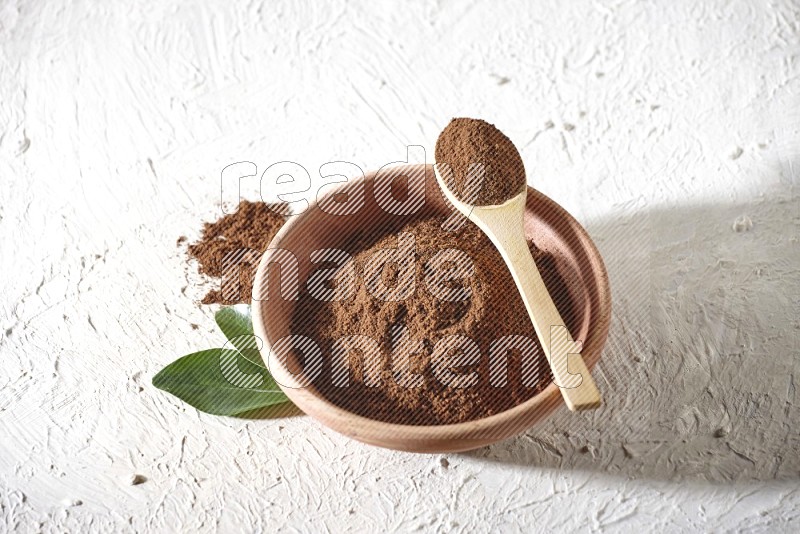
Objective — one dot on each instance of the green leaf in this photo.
(219, 382)
(235, 320)
(237, 325)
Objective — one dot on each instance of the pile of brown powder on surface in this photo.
(252, 226)
(467, 141)
(494, 309)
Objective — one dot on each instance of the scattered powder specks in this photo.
(742, 224)
(136, 479)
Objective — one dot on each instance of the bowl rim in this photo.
(299, 393)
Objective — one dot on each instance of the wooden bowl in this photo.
(323, 225)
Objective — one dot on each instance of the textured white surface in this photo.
(664, 129)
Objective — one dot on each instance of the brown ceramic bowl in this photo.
(550, 227)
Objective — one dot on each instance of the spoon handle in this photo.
(569, 370)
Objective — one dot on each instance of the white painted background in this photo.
(657, 126)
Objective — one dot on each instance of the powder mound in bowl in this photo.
(473, 141)
(492, 311)
(249, 231)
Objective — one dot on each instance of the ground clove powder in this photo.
(251, 227)
(473, 141)
(493, 310)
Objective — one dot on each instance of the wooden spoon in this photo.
(503, 224)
